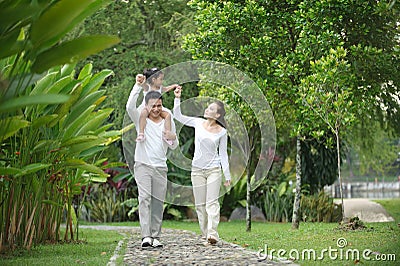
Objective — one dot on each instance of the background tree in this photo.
(329, 93)
(275, 41)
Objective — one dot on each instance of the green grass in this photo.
(378, 237)
(96, 250)
(392, 206)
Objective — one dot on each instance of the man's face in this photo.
(154, 107)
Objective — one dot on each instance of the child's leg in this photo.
(142, 124)
(167, 124)
(167, 117)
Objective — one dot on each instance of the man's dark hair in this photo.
(152, 95)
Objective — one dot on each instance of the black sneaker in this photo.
(146, 242)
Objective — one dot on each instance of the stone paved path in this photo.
(186, 248)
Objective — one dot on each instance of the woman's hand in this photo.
(140, 79)
(227, 183)
(178, 92)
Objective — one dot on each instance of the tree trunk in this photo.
(296, 204)
(338, 165)
(248, 207)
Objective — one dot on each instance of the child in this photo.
(154, 78)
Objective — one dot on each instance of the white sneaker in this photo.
(157, 243)
(146, 242)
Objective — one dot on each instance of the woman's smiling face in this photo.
(212, 111)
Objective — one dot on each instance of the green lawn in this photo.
(96, 248)
(382, 239)
(392, 206)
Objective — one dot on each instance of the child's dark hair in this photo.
(152, 73)
(152, 95)
(221, 111)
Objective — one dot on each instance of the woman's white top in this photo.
(210, 149)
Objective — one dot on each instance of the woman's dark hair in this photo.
(151, 73)
(221, 111)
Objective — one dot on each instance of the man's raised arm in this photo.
(131, 107)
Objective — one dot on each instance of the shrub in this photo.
(319, 208)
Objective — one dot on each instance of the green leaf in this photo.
(52, 202)
(43, 120)
(80, 164)
(10, 45)
(96, 81)
(23, 101)
(19, 14)
(9, 171)
(44, 83)
(11, 125)
(82, 105)
(64, 108)
(96, 119)
(74, 126)
(80, 147)
(242, 203)
(79, 140)
(60, 18)
(92, 151)
(72, 51)
(86, 71)
(68, 70)
(32, 168)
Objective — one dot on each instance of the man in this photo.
(150, 168)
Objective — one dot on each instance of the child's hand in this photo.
(172, 87)
(178, 92)
(140, 79)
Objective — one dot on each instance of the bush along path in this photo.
(183, 247)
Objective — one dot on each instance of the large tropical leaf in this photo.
(9, 171)
(82, 105)
(94, 121)
(76, 149)
(73, 127)
(96, 81)
(18, 14)
(81, 164)
(64, 109)
(11, 125)
(9, 44)
(60, 18)
(44, 83)
(72, 51)
(27, 100)
(32, 168)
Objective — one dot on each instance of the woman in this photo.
(210, 155)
